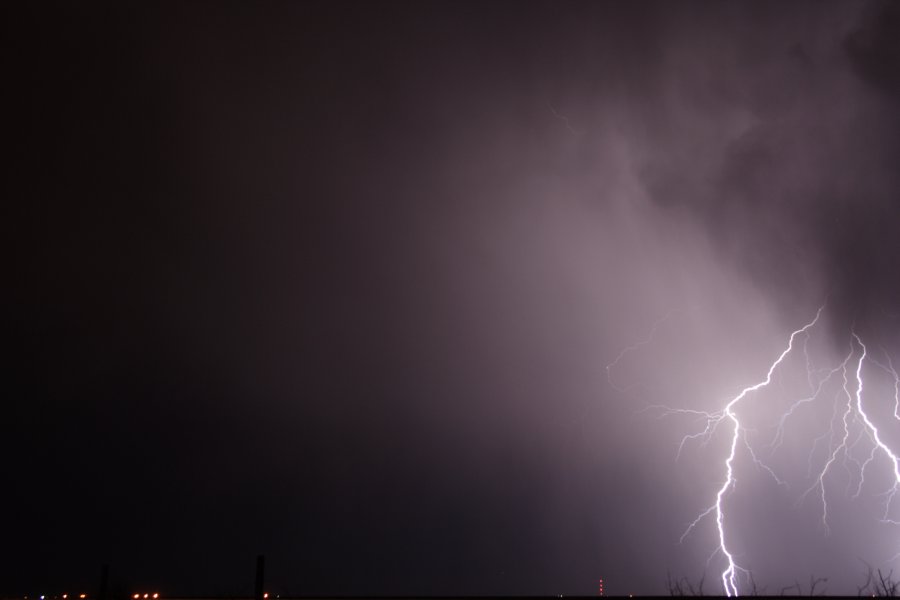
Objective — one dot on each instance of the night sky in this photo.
(339, 283)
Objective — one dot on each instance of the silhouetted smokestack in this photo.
(103, 594)
(260, 577)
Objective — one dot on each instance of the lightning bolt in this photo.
(636, 346)
(842, 447)
(876, 436)
(889, 368)
(565, 120)
(854, 406)
(729, 575)
(849, 419)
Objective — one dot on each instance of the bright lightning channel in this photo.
(729, 575)
(848, 403)
(874, 431)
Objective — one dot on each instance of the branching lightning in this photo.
(565, 120)
(850, 428)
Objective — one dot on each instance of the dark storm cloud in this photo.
(807, 174)
(339, 281)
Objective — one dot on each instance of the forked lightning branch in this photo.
(852, 439)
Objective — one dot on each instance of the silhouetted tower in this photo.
(260, 577)
(103, 593)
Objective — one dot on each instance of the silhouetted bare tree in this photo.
(683, 587)
(814, 583)
(878, 584)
